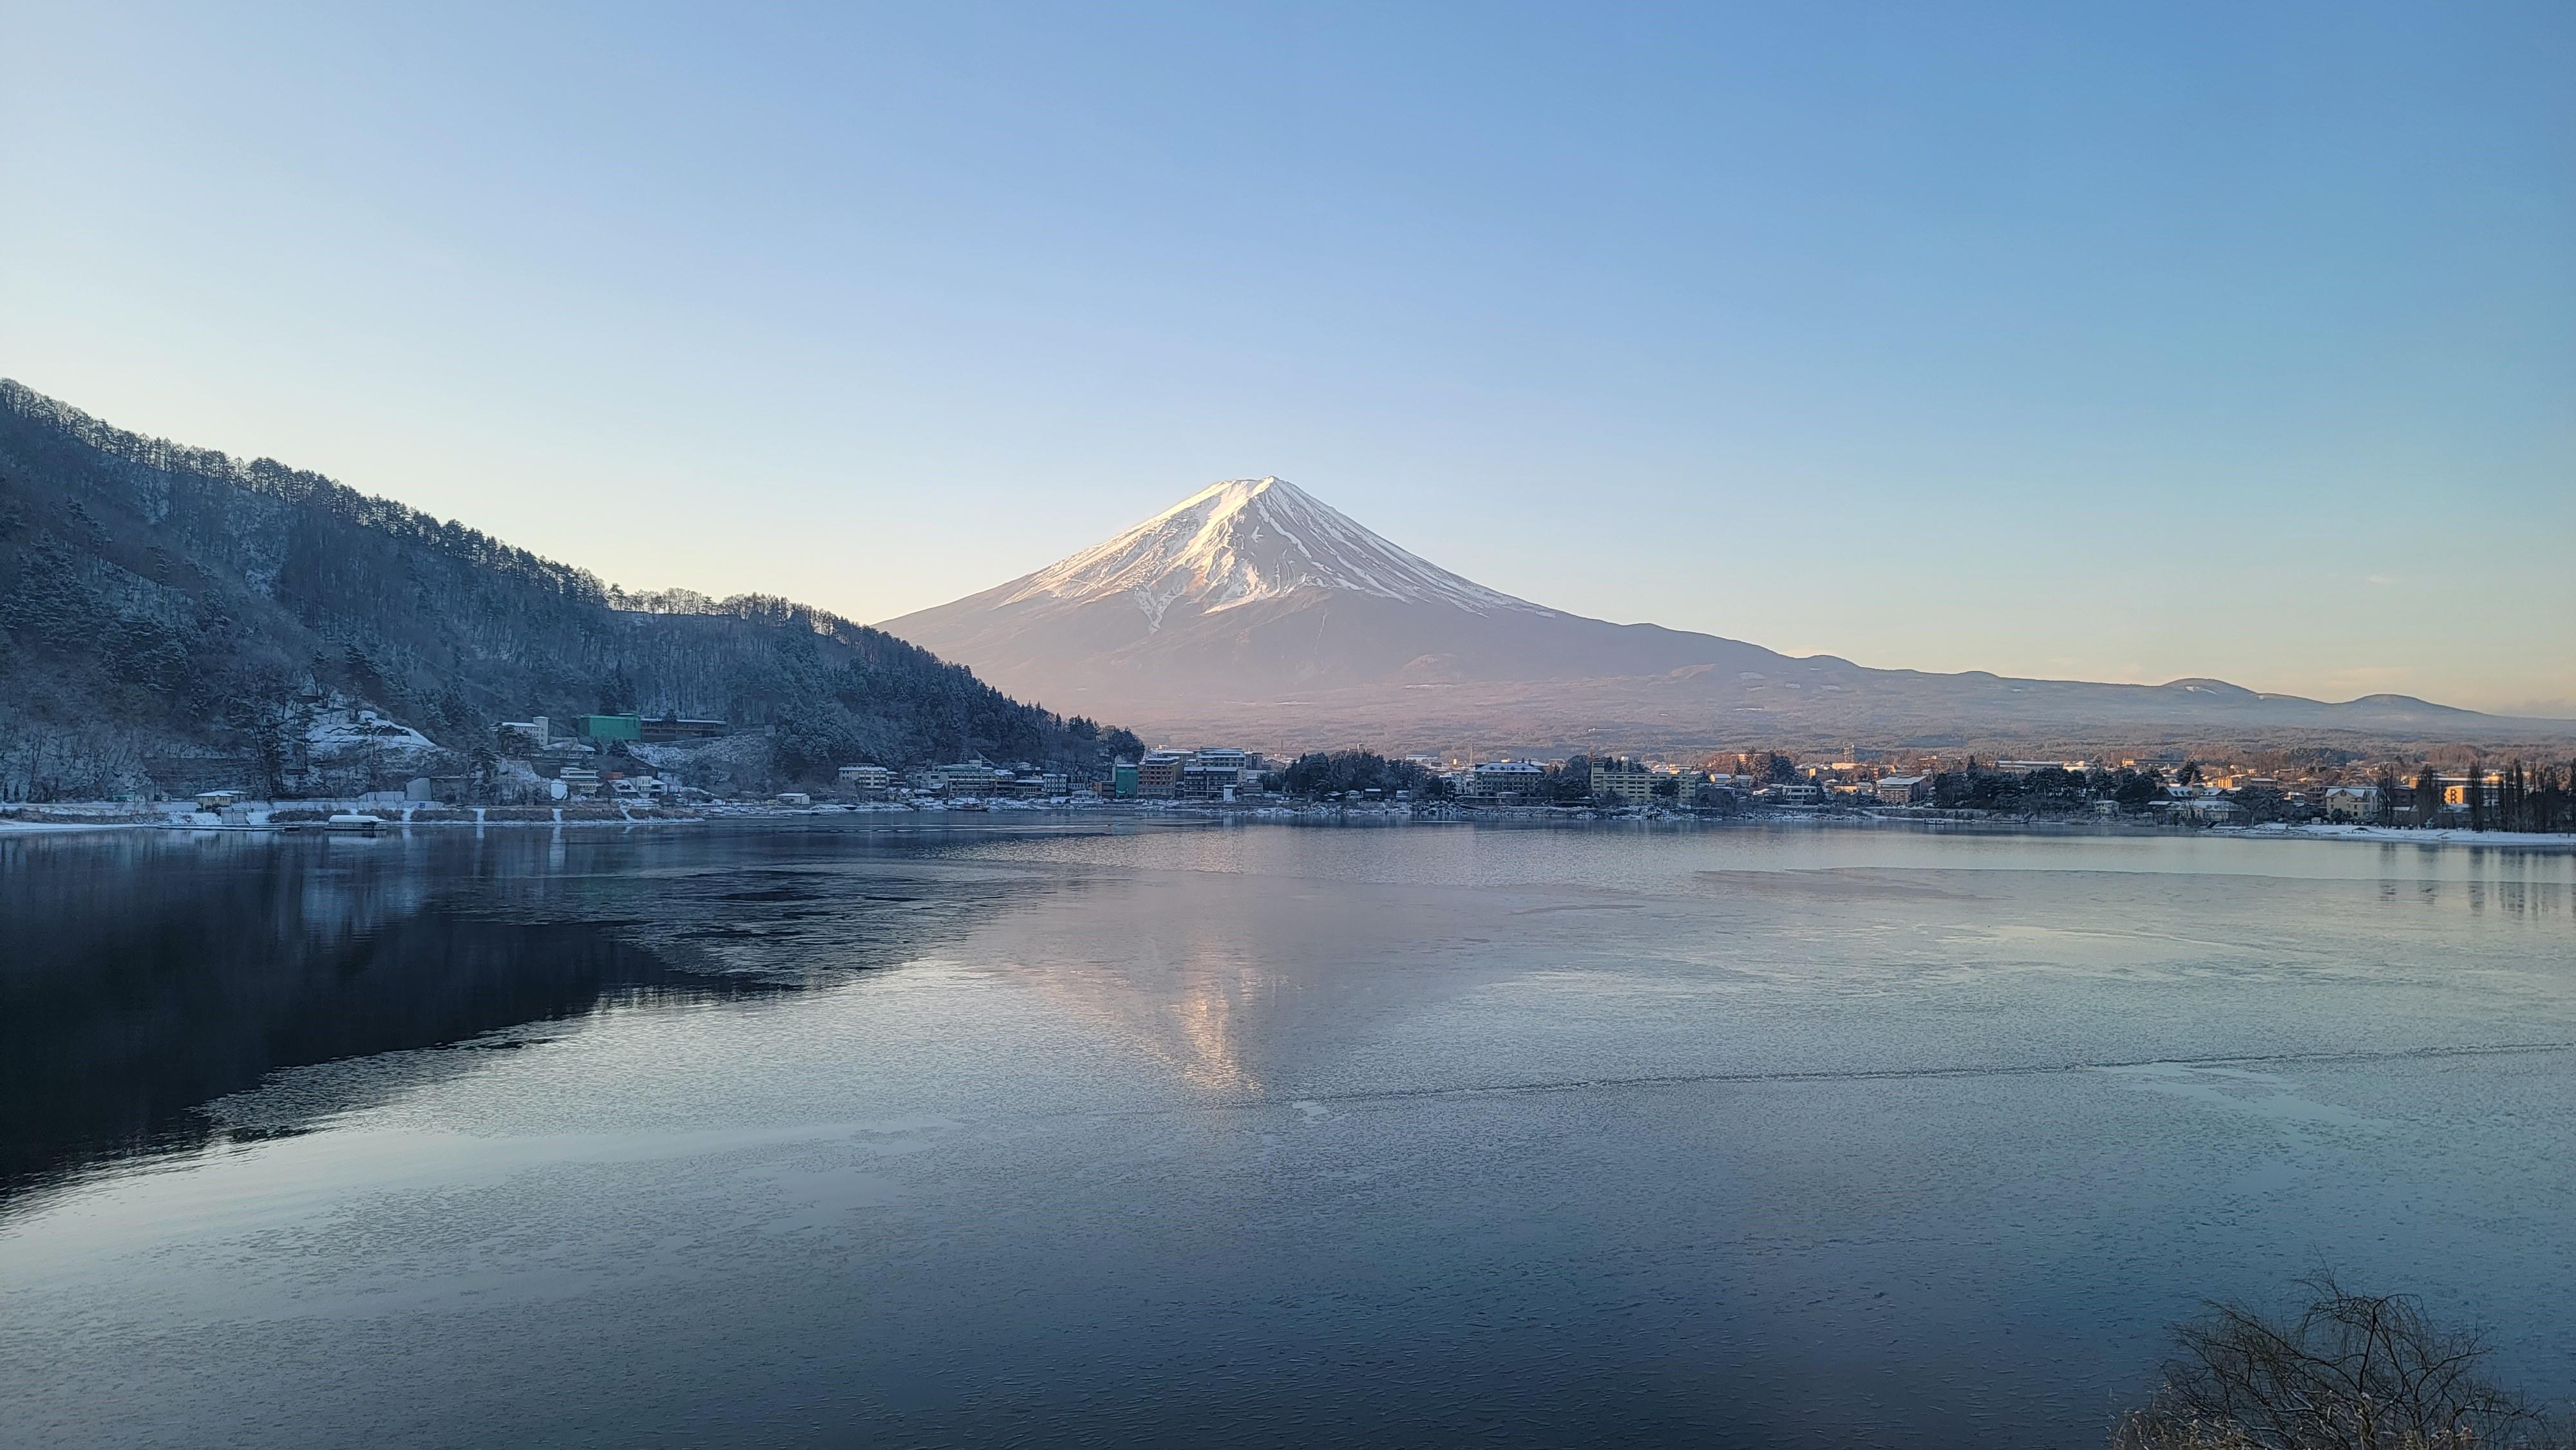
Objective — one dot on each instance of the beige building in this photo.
(1625, 779)
(1159, 773)
(1903, 790)
(2455, 789)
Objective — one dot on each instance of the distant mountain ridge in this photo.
(158, 603)
(1252, 608)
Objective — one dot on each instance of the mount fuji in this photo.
(1252, 610)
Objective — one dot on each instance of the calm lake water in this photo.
(1245, 1135)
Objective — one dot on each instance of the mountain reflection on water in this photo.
(145, 977)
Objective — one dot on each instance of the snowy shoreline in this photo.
(2403, 835)
(311, 818)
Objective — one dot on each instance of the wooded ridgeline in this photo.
(162, 608)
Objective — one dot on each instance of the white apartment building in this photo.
(864, 779)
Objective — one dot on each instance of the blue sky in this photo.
(2059, 340)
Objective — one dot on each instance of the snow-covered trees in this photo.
(179, 602)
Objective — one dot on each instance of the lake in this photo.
(1245, 1135)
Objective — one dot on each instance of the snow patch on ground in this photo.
(341, 732)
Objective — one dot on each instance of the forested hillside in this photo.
(165, 610)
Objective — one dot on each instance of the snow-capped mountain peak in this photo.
(1249, 539)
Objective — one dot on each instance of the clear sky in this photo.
(2078, 340)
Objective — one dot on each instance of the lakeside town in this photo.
(360, 770)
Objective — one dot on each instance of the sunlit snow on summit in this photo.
(1250, 539)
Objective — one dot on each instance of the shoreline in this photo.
(67, 818)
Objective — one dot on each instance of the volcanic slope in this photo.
(1253, 610)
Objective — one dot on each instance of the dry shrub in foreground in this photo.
(2349, 1372)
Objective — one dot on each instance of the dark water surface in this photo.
(1244, 1135)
